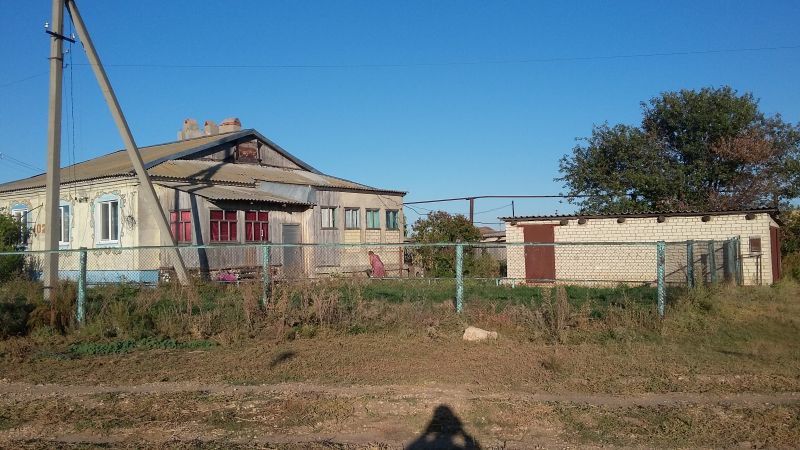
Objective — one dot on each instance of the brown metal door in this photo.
(775, 253)
(540, 261)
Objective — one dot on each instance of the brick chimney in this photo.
(210, 128)
(230, 124)
(189, 130)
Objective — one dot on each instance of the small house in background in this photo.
(216, 185)
(622, 260)
(494, 243)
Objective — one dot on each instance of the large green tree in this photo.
(706, 149)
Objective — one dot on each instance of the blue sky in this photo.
(389, 113)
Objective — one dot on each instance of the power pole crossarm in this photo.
(147, 193)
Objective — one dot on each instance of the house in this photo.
(583, 257)
(494, 242)
(219, 185)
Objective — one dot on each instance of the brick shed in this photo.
(621, 247)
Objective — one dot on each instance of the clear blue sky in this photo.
(433, 130)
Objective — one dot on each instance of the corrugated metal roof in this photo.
(231, 193)
(668, 213)
(213, 171)
(117, 163)
(162, 161)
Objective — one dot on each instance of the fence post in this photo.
(690, 264)
(660, 270)
(459, 276)
(712, 262)
(80, 313)
(266, 275)
(737, 256)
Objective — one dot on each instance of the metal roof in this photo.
(164, 161)
(231, 193)
(249, 174)
(118, 163)
(670, 213)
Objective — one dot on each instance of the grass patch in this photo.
(129, 345)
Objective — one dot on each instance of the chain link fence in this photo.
(462, 271)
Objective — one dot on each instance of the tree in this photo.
(707, 149)
(441, 227)
(10, 234)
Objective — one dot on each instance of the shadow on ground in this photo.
(444, 431)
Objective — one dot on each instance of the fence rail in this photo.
(658, 265)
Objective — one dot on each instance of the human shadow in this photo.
(444, 431)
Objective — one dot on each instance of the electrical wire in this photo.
(433, 64)
(456, 63)
(20, 163)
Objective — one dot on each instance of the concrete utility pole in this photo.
(53, 176)
(147, 193)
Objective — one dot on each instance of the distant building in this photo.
(219, 185)
(756, 230)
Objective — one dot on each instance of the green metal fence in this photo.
(469, 267)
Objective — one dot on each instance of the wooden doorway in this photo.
(292, 256)
(775, 253)
(540, 261)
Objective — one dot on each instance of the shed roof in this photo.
(670, 213)
(231, 193)
(167, 161)
(249, 174)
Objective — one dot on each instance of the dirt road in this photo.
(309, 415)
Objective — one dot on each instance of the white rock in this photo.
(477, 334)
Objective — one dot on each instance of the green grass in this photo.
(129, 345)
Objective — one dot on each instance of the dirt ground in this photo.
(401, 391)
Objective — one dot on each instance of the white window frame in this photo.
(348, 225)
(111, 239)
(62, 230)
(328, 212)
(22, 213)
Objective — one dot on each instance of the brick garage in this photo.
(632, 256)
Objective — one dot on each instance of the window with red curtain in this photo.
(256, 226)
(223, 226)
(180, 222)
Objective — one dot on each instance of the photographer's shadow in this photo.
(444, 431)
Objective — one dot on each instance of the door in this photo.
(540, 261)
(292, 256)
(775, 253)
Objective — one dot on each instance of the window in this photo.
(351, 216)
(223, 226)
(180, 223)
(755, 245)
(374, 219)
(109, 221)
(328, 217)
(21, 216)
(391, 219)
(65, 220)
(256, 226)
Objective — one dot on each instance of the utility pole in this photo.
(53, 175)
(147, 193)
(471, 210)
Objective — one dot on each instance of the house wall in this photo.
(108, 263)
(139, 228)
(637, 263)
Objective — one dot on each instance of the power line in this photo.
(455, 63)
(475, 197)
(20, 163)
(10, 83)
(431, 64)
